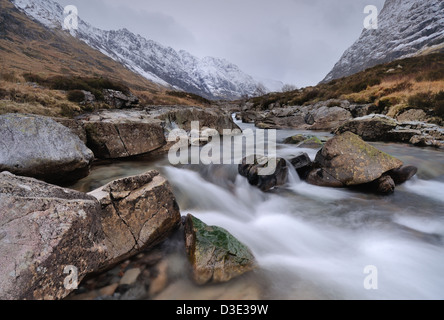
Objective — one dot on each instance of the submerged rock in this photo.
(39, 147)
(215, 255)
(263, 172)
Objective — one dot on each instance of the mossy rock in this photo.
(215, 255)
(304, 141)
(350, 161)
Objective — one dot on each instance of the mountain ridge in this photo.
(210, 77)
(405, 28)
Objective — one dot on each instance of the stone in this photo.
(327, 118)
(348, 160)
(215, 255)
(137, 213)
(46, 229)
(295, 139)
(119, 100)
(311, 143)
(412, 115)
(252, 166)
(384, 185)
(370, 128)
(160, 282)
(114, 134)
(403, 174)
(39, 147)
(303, 165)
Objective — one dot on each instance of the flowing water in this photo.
(313, 242)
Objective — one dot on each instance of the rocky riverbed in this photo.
(138, 234)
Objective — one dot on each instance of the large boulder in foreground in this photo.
(346, 160)
(39, 147)
(264, 172)
(215, 255)
(137, 212)
(43, 230)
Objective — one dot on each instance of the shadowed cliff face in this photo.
(405, 28)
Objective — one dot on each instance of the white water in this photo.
(314, 243)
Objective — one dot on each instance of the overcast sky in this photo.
(294, 41)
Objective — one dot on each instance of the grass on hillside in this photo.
(395, 86)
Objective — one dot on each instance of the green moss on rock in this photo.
(215, 254)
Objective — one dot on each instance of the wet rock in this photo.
(327, 118)
(118, 134)
(303, 165)
(384, 185)
(370, 128)
(130, 276)
(215, 255)
(263, 172)
(137, 213)
(39, 147)
(348, 160)
(75, 126)
(119, 100)
(403, 174)
(412, 115)
(295, 139)
(46, 229)
(160, 281)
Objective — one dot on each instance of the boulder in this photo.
(216, 256)
(43, 230)
(370, 128)
(137, 213)
(303, 165)
(47, 231)
(208, 118)
(251, 169)
(39, 147)
(120, 134)
(327, 118)
(403, 174)
(295, 139)
(384, 185)
(412, 115)
(120, 100)
(346, 160)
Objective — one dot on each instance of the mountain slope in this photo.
(210, 77)
(27, 46)
(406, 28)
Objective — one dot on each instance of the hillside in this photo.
(210, 77)
(416, 82)
(406, 28)
(27, 47)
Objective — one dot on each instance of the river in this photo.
(312, 242)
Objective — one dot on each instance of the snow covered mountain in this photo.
(405, 28)
(212, 78)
